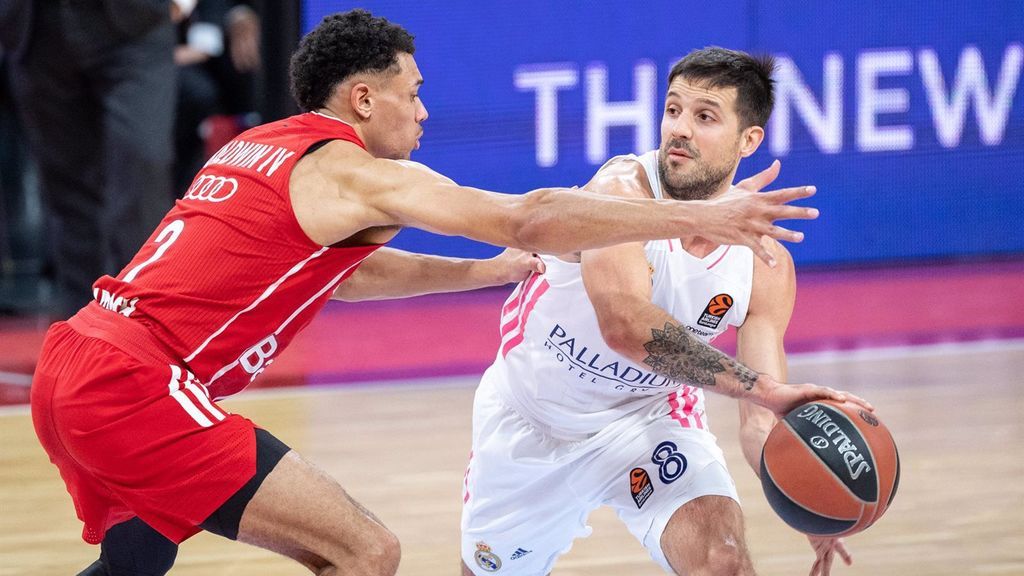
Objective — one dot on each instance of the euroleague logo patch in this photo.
(715, 311)
(640, 486)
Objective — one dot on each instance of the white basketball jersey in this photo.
(553, 366)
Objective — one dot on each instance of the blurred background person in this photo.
(218, 58)
(94, 85)
(21, 260)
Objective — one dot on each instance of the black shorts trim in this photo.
(225, 520)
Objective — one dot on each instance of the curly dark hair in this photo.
(716, 67)
(344, 44)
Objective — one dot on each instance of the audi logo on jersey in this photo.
(211, 188)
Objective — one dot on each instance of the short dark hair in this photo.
(751, 75)
(344, 44)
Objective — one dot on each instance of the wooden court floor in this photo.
(956, 414)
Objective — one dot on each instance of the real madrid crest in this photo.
(486, 559)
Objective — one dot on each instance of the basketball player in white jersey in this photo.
(596, 396)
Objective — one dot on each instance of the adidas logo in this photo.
(519, 553)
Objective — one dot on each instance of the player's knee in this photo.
(133, 548)
(726, 558)
(156, 565)
(376, 552)
(384, 554)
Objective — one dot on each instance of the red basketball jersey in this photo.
(229, 277)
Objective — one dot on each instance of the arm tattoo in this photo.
(674, 353)
(745, 376)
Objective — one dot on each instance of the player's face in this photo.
(701, 140)
(398, 114)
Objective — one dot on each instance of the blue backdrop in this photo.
(910, 120)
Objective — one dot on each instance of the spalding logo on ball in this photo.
(830, 469)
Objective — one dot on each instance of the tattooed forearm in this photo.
(745, 376)
(675, 353)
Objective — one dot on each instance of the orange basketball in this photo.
(830, 469)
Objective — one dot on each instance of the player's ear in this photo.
(361, 100)
(750, 139)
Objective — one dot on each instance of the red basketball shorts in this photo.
(132, 432)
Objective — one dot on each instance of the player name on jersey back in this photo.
(243, 154)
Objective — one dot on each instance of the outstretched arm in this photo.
(339, 190)
(389, 273)
(558, 220)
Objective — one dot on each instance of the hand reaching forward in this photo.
(743, 215)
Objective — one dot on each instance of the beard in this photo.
(701, 183)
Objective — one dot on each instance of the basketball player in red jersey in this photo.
(124, 395)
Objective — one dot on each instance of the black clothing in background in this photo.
(94, 83)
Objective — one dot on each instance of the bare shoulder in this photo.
(362, 176)
(337, 162)
(328, 188)
(621, 176)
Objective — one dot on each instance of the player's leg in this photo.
(705, 537)
(519, 511)
(129, 547)
(133, 548)
(287, 506)
(162, 450)
(299, 511)
(679, 501)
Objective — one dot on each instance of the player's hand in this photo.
(825, 550)
(743, 215)
(781, 398)
(514, 265)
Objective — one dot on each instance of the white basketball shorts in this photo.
(528, 495)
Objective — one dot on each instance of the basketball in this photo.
(830, 469)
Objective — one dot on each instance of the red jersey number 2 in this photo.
(164, 239)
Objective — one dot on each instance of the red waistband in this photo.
(128, 335)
